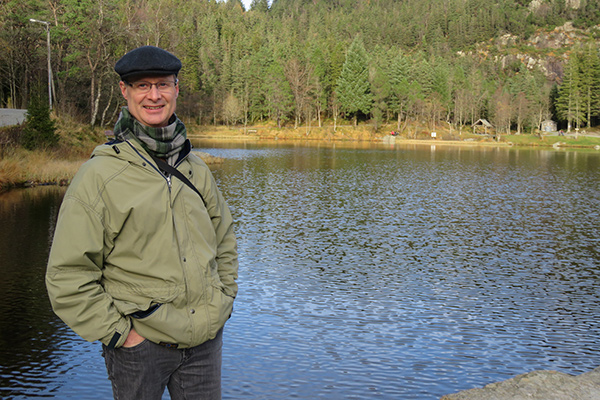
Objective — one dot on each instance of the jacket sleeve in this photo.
(227, 256)
(73, 277)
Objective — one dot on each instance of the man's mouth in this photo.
(153, 107)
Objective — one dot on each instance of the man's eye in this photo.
(163, 85)
(142, 85)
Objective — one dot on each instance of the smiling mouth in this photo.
(153, 107)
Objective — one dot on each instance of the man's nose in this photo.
(154, 93)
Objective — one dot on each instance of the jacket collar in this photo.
(134, 152)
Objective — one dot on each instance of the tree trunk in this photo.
(93, 101)
(103, 119)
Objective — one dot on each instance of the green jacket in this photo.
(135, 248)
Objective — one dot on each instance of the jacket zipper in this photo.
(168, 179)
(151, 163)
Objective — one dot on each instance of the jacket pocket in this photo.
(220, 307)
(146, 313)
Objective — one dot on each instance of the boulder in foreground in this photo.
(538, 385)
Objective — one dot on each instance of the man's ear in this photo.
(123, 87)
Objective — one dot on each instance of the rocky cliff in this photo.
(546, 50)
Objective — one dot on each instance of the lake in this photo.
(367, 271)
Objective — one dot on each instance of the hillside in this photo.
(292, 62)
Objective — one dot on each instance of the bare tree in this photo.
(299, 76)
(522, 109)
(501, 103)
(232, 110)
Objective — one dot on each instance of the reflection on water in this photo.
(39, 357)
(372, 272)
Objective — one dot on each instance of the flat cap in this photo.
(147, 60)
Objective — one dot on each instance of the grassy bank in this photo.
(365, 133)
(569, 141)
(54, 166)
(19, 167)
(23, 168)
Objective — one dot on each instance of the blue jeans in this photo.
(142, 372)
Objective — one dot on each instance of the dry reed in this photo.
(26, 168)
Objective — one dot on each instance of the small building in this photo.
(549, 126)
(481, 123)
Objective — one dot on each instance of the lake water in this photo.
(366, 272)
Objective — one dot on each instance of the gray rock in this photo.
(538, 385)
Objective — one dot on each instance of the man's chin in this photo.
(154, 120)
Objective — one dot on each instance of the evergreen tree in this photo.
(257, 79)
(400, 86)
(380, 87)
(590, 80)
(442, 87)
(39, 131)
(321, 80)
(353, 87)
(568, 103)
(278, 93)
(259, 5)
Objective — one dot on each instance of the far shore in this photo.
(380, 140)
(590, 140)
(21, 168)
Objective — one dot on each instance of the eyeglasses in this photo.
(145, 87)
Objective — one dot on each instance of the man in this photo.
(142, 260)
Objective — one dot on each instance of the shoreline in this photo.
(61, 173)
(395, 140)
(37, 169)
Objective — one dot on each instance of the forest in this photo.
(295, 63)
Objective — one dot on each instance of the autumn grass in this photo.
(20, 167)
(30, 168)
(582, 141)
(55, 166)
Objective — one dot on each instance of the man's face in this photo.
(155, 106)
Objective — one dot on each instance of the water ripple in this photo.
(409, 272)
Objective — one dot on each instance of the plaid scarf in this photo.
(165, 142)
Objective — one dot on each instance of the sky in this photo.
(247, 3)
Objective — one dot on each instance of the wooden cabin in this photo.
(481, 126)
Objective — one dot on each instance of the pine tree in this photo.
(39, 131)
(590, 80)
(380, 87)
(259, 5)
(353, 87)
(568, 103)
(442, 86)
(278, 93)
(321, 80)
(400, 87)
